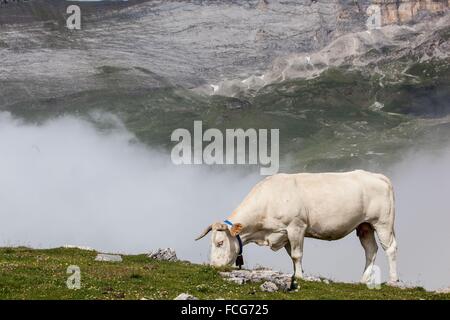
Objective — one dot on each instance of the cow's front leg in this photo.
(296, 237)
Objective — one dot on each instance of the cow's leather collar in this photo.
(239, 259)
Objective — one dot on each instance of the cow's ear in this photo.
(236, 229)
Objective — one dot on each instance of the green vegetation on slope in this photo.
(41, 274)
(339, 120)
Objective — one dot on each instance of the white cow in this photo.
(283, 209)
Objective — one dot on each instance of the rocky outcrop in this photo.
(185, 296)
(281, 280)
(369, 50)
(443, 290)
(108, 257)
(402, 11)
(268, 286)
(271, 278)
(168, 254)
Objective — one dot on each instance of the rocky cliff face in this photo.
(402, 11)
(198, 44)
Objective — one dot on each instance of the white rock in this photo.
(269, 286)
(185, 296)
(443, 290)
(237, 280)
(108, 257)
(312, 279)
(376, 106)
(168, 254)
(282, 280)
(326, 281)
(400, 285)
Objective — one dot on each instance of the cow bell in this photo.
(239, 261)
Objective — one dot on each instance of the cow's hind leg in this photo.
(386, 235)
(366, 235)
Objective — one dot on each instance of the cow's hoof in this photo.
(395, 283)
(294, 286)
(364, 281)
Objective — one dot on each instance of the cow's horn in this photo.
(204, 233)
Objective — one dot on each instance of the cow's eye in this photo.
(220, 243)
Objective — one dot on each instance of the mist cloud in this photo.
(66, 182)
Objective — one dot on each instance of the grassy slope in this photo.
(41, 274)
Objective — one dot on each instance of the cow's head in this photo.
(224, 244)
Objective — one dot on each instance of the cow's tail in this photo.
(390, 214)
(386, 233)
(392, 206)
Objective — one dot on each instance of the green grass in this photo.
(41, 274)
